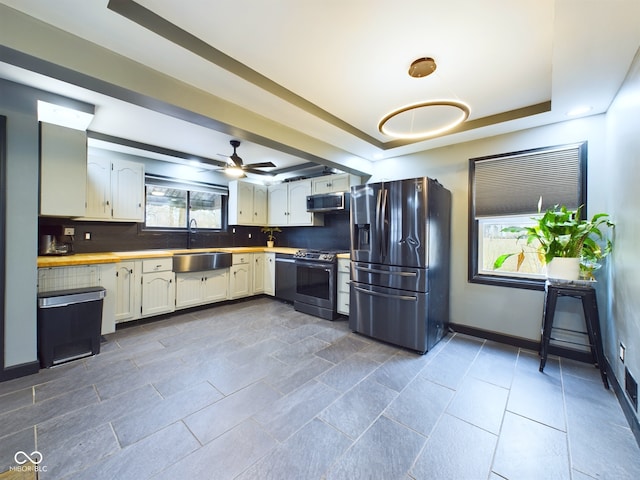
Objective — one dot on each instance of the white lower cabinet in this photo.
(188, 289)
(344, 275)
(270, 273)
(199, 288)
(241, 276)
(158, 287)
(258, 273)
(216, 285)
(127, 291)
(158, 293)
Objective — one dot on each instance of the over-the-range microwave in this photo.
(328, 202)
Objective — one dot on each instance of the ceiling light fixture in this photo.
(234, 171)
(424, 119)
(63, 116)
(422, 67)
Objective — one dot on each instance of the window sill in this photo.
(511, 282)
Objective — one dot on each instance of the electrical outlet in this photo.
(233, 230)
(249, 235)
(621, 352)
(87, 235)
(70, 231)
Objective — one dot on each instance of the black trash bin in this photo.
(69, 324)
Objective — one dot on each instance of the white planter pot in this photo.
(564, 269)
(269, 243)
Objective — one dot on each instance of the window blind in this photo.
(512, 184)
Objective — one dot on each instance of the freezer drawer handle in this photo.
(396, 297)
(401, 274)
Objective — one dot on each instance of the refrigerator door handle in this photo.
(379, 223)
(386, 295)
(385, 272)
(383, 224)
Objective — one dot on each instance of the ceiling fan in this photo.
(236, 167)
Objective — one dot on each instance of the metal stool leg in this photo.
(550, 300)
(591, 317)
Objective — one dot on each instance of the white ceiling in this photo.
(342, 64)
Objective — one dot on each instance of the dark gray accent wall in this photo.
(119, 237)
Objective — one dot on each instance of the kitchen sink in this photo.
(198, 262)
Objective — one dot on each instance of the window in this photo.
(506, 190)
(173, 205)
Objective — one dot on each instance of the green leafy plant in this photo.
(270, 232)
(562, 233)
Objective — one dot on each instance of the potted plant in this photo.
(561, 237)
(270, 234)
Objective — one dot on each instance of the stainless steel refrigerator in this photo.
(400, 237)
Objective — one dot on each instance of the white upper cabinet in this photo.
(288, 205)
(334, 183)
(278, 204)
(63, 170)
(115, 190)
(127, 190)
(247, 203)
(98, 188)
(298, 192)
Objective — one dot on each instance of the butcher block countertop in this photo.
(114, 257)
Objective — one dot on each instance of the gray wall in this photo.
(623, 200)
(19, 107)
(509, 311)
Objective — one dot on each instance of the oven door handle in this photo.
(316, 265)
(385, 272)
(386, 295)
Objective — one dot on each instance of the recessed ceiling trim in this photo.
(160, 26)
(153, 148)
(171, 32)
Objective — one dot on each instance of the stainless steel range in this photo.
(316, 283)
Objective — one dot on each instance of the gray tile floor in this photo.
(255, 390)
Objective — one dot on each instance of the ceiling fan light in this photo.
(234, 172)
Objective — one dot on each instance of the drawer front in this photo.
(343, 282)
(344, 266)
(343, 303)
(241, 258)
(157, 265)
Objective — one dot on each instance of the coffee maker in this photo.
(56, 240)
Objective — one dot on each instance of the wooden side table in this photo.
(587, 294)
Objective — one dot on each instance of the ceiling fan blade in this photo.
(260, 165)
(236, 160)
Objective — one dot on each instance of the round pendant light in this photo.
(424, 119)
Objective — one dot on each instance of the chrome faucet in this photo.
(193, 229)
